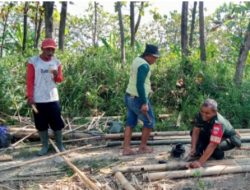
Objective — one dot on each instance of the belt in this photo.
(131, 95)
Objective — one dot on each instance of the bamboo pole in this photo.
(123, 181)
(170, 166)
(80, 173)
(25, 163)
(209, 171)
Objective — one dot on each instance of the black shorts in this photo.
(49, 115)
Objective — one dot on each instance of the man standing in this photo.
(137, 102)
(212, 135)
(43, 72)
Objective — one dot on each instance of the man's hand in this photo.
(192, 152)
(30, 101)
(144, 108)
(54, 72)
(195, 164)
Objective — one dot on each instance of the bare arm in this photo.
(207, 153)
(195, 137)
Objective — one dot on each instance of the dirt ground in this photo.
(54, 174)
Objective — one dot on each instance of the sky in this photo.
(163, 6)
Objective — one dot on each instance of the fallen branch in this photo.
(80, 173)
(123, 181)
(25, 163)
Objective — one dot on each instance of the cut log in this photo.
(80, 173)
(202, 172)
(123, 181)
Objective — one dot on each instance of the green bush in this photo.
(95, 82)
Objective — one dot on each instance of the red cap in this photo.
(49, 43)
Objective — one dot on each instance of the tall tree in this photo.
(132, 23)
(119, 10)
(25, 17)
(203, 56)
(63, 17)
(36, 22)
(245, 47)
(39, 27)
(48, 17)
(192, 25)
(184, 27)
(6, 13)
(139, 17)
(94, 38)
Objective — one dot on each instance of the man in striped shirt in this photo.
(43, 74)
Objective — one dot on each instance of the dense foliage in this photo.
(95, 80)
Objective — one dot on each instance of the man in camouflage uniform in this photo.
(212, 135)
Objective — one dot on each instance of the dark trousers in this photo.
(49, 115)
(226, 144)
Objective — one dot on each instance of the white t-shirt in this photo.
(45, 88)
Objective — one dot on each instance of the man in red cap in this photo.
(43, 73)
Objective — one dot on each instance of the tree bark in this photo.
(203, 56)
(38, 32)
(95, 25)
(119, 10)
(139, 17)
(48, 17)
(25, 17)
(245, 47)
(5, 25)
(63, 17)
(192, 25)
(132, 23)
(184, 35)
(36, 22)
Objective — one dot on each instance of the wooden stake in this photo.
(209, 171)
(123, 181)
(33, 106)
(178, 122)
(80, 173)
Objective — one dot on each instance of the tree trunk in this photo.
(184, 35)
(48, 17)
(139, 17)
(192, 25)
(36, 23)
(38, 32)
(119, 10)
(95, 25)
(63, 17)
(242, 58)
(203, 56)
(25, 17)
(5, 28)
(132, 23)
